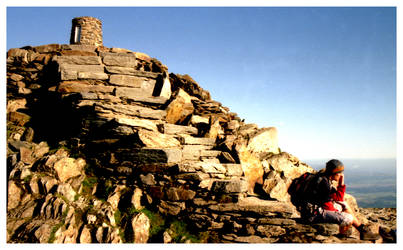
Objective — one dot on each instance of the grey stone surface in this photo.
(230, 186)
(70, 71)
(253, 204)
(79, 60)
(189, 140)
(120, 60)
(81, 47)
(233, 169)
(92, 75)
(139, 95)
(133, 110)
(178, 129)
(145, 155)
(131, 81)
(76, 87)
(131, 71)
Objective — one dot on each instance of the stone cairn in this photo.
(86, 30)
(104, 145)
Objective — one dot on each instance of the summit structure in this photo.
(87, 31)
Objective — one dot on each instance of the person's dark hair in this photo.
(333, 167)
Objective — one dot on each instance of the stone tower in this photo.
(86, 30)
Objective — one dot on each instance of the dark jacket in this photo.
(327, 194)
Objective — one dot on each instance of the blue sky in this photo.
(324, 76)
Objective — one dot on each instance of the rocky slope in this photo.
(104, 145)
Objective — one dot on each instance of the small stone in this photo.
(91, 218)
(85, 236)
(230, 186)
(28, 135)
(167, 237)
(171, 208)
(114, 198)
(136, 198)
(197, 119)
(67, 191)
(26, 155)
(14, 195)
(180, 194)
(120, 50)
(16, 77)
(14, 105)
(148, 179)
(20, 119)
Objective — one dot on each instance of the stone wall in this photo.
(99, 137)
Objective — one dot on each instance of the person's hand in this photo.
(341, 179)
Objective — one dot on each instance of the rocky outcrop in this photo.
(103, 145)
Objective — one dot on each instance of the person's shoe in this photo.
(366, 234)
(388, 235)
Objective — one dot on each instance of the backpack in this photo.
(304, 193)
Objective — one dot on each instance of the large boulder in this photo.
(280, 170)
(276, 186)
(264, 141)
(251, 166)
(180, 108)
(287, 164)
(187, 83)
(67, 168)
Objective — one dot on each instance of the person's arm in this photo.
(341, 180)
(341, 190)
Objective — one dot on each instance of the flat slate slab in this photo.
(149, 156)
(190, 140)
(133, 110)
(179, 129)
(80, 60)
(259, 206)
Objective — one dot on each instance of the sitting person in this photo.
(329, 203)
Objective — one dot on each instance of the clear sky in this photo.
(324, 76)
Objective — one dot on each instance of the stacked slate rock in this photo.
(96, 135)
